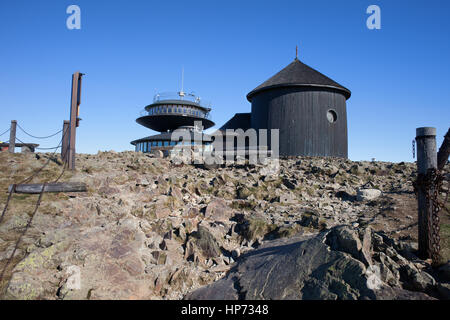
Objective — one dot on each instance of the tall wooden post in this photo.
(426, 159)
(444, 151)
(65, 141)
(74, 120)
(12, 136)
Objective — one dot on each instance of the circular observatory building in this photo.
(179, 111)
(307, 107)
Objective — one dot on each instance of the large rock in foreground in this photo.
(327, 266)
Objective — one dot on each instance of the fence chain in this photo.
(52, 135)
(5, 131)
(431, 183)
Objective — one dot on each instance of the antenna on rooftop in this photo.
(181, 93)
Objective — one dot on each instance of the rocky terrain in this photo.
(147, 228)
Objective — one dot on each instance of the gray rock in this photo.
(287, 198)
(420, 281)
(444, 271)
(207, 243)
(157, 153)
(300, 268)
(346, 239)
(367, 194)
(218, 210)
(236, 253)
(444, 290)
(290, 183)
(389, 269)
(357, 169)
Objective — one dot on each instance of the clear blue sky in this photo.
(399, 76)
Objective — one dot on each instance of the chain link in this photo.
(431, 183)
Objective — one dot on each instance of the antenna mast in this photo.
(181, 93)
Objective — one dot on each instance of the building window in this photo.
(331, 116)
(159, 143)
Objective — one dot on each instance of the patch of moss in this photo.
(285, 232)
(445, 241)
(257, 227)
(243, 205)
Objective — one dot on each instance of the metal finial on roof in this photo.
(296, 52)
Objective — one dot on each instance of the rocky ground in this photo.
(150, 229)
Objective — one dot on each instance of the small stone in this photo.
(235, 253)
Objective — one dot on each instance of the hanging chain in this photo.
(431, 183)
(414, 148)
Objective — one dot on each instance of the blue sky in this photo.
(129, 50)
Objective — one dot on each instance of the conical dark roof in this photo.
(299, 74)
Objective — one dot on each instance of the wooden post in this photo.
(36, 188)
(444, 151)
(12, 136)
(65, 141)
(74, 112)
(426, 159)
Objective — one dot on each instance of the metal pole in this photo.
(65, 141)
(12, 136)
(426, 159)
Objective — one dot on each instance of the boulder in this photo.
(325, 266)
(421, 281)
(218, 210)
(367, 194)
(444, 290)
(444, 271)
(206, 242)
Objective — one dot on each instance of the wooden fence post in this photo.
(65, 141)
(444, 151)
(74, 120)
(426, 159)
(12, 136)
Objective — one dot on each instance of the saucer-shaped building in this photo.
(174, 111)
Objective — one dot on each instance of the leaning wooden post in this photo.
(65, 141)
(74, 120)
(444, 151)
(12, 136)
(426, 159)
